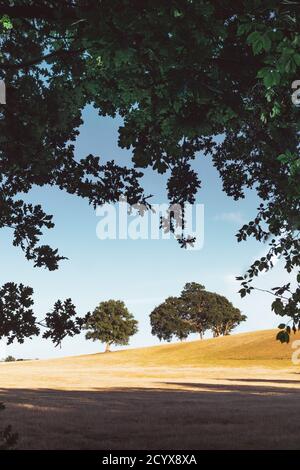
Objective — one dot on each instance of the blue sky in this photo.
(140, 272)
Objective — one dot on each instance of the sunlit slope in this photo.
(139, 367)
(241, 391)
(258, 347)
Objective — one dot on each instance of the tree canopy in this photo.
(179, 74)
(18, 320)
(195, 311)
(111, 323)
(166, 321)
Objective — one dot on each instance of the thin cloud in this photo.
(231, 217)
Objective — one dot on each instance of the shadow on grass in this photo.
(265, 390)
(211, 416)
(277, 381)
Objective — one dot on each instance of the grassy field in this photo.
(240, 391)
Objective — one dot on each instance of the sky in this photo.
(142, 273)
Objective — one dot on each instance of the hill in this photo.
(174, 396)
(257, 348)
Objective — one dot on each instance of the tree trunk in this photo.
(216, 332)
(107, 347)
(201, 335)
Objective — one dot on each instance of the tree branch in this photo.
(38, 60)
(270, 292)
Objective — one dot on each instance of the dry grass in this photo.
(234, 392)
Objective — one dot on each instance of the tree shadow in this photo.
(279, 381)
(237, 388)
(209, 416)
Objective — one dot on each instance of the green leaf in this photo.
(6, 22)
(296, 58)
(244, 28)
(243, 292)
(177, 13)
(267, 43)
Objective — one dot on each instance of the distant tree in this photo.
(209, 311)
(195, 307)
(111, 323)
(196, 310)
(9, 359)
(223, 316)
(166, 320)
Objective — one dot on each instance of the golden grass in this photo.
(240, 391)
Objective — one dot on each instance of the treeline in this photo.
(194, 311)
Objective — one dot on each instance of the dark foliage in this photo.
(179, 73)
(195, 311)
